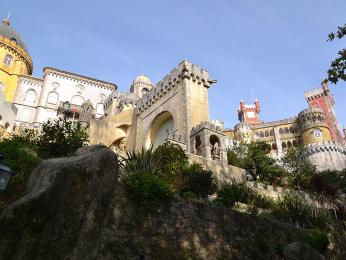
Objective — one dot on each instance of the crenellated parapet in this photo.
(79, 79)
(330, 146)
(30, 80)
(206, 125)
(185, 70)
(312, 117)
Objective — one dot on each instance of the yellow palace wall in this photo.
(21, 65)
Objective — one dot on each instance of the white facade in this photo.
(38, 100)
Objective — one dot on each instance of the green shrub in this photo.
(172, 160)
(199, 181)
(147, 190)
(60, 138)
(144, 160)
(229, 194)
(188, 195)
(318, 240)
(22, 160)
(293, 209)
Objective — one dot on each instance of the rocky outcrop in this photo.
(300, 251)
(76, 208)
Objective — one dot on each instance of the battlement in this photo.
(185, 69)
(79, 78)
(325, 147)
(206, 125)
(30, 80)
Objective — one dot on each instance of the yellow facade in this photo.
(309, 136)
(14, 61)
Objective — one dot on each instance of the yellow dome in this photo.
(142, 78)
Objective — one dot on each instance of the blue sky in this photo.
(277, 48)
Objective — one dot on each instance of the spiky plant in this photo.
(144, 160)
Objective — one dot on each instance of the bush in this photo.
(201, 182)
(318, 240)
(228, 194)
(293, 209)
(22, 160)
(147, 190)
(172, 160)
(144, 160)
(60, 138)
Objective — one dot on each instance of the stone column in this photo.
(278, 141)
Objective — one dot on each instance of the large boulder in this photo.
(301, 251)
(64, 208)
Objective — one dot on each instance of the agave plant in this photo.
(144, 160)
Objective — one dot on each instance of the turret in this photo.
(313, 125)
(249, 114)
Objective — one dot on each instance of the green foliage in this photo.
(172, 160)
(229, 194)
(299, 168)
(60, 138)
(261, 166)
(147, 190)
(293, 209)
(201, 182)
(144, 160)
(236, 155)
(255, 158)
(22, 160)
(338, 66)
(188, 195)
(318, 240)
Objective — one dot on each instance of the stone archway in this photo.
(118, 146)
(159, 129)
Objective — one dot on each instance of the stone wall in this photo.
(224, 173)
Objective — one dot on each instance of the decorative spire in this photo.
(6, 21)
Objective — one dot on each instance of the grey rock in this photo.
(301, 251)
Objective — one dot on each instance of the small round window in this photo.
(317, 133)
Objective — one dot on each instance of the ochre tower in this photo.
(249, 114)
(323, 99)
(14, 60)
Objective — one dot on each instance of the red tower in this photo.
(249, 113)
(322, 98)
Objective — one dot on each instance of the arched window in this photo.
(281, 131)
(2, 86)
(8, 60)
(287, 131)
(144, 91)
(261, 134)
(289, 144)
(30, 97)
(266, 133)
(284, 145)
(292, 130)
(100, 109)
(274, 147)
(7, 125)
(77, 100)
(52, 98)
(294, 143)
(271, 132)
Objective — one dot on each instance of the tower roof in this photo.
(8, 32)
(143, 78)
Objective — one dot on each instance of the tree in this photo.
(338, 66)
(299, 168)
(260, 165)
